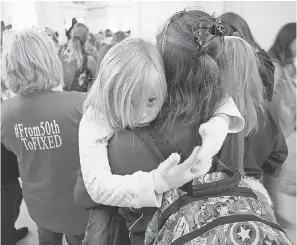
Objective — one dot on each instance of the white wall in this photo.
(49, 15)
(264, 18)
(97, 19)
(148, 17)
(145, 18)
(21, 14)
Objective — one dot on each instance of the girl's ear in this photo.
(236, 33)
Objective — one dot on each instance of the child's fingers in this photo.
(170, 162)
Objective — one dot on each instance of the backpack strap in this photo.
(220, 186)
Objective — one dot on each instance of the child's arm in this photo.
(229, 109)
(141, 189)
(226, 119)
(102, 186)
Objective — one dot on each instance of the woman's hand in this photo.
(170, 174)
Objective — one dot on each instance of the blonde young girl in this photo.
(132, 72)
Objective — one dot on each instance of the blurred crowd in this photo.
(81, 55)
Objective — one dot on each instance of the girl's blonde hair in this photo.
(125, 65)
(31, 63)
(245, 84)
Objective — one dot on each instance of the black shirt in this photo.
(9, 167)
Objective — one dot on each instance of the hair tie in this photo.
(217, 29)
(204, 33)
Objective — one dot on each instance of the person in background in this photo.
(11, 192)
(99, 37)
(40, 126)
(265, 149)
(108, 33)
(283, 55)
(68, 32)
(54, 35)
(7, 37)
(261, 160)
(107, 37)
(117, 37)
(79, 67)
(237, 26)
(128, 33)
(2, 30)
(90, 47)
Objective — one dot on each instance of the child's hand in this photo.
(213, 134)
(170, 175)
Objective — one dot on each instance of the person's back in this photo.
(42, 130)
(284, 98)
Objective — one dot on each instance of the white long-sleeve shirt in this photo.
(136, 190)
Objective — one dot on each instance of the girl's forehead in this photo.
(152, 77)
(150, 83)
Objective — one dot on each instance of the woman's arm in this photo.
(129, 186)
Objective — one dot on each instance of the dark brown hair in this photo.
(193, 76)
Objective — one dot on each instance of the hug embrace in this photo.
(154, 152)
(151, 108)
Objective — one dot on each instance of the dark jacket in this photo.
(142, 149)
(9, 167)
(266, 150)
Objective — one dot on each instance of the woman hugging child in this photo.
(131, 88)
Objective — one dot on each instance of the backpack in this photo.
(219, 210)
